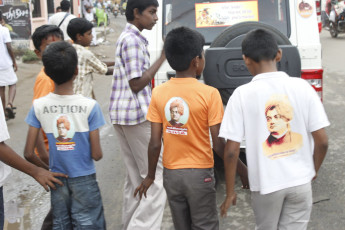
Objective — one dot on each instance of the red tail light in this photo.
(318, 14)
(153, 83)
(314, 77)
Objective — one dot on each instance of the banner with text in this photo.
(17, 20)
(225, 13)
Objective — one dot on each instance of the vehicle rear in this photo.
(295, 24)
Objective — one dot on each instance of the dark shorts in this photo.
(192, 198)
(77, 204)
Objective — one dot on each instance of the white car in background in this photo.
(224, 23)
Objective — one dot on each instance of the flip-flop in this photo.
(9, 111)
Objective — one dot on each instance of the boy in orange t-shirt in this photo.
(42, 37)
(184, 111)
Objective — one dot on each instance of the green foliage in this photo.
(29, 56)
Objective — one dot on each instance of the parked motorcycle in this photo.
(116, 12)
(336, 21)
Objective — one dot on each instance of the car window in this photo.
(211, 17)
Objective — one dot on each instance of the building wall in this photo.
(39, 21)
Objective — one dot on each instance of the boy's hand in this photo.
(142, 189)
(229, 200)
(15, 67)
(47, 178)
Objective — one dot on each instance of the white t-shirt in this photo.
(6, 60)
(56, 20)
(5, 170)
(279, 142)
(87, 3)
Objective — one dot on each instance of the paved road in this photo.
(33, 203)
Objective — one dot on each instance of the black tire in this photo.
(241, 29)
(333, 29)
(237, 32)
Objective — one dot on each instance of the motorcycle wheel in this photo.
(333, 29)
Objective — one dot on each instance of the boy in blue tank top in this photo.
(72, 124)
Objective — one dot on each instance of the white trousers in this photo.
(286, 209)
(147, 213)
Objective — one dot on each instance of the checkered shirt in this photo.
(132, 59)
(87, 64)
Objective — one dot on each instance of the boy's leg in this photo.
(11, 93)
(296, 208)
(267, 209)
(132, 177)
(86, 203)
(9, 107)
(60, 203)
(174, 187)
(3, 98)
(202, 199)
(148, 212)
(48, 221)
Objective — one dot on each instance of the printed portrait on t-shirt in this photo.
(282, 141)
(177, 114)
(63, 129)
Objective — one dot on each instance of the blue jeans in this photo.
(78, 204)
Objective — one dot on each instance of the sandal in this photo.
(10, 111)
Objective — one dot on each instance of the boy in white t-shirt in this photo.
(9, 157)
(8, 67)
(71, 123)
(282, 120)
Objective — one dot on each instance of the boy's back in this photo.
(282, 120)
(270, 103)
(88, 63)
(187, 108)
(4, 38)
(67, 121)
(71, 123)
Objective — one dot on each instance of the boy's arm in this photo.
(154, 150)
(139, 83)
(41, 148)
(96, 150)
(29, 150)
(231, 153)
(42, 176)
(218, 146)
(10, 51)
(218, 142)
(109, 63)
(320, 148)
(110, 71)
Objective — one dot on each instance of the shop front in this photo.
(24, 16)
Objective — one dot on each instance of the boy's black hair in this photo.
(65, 5)
(78, 26)
(259, 45)
(181, 46)
(140, 4)
(43, 32)
(60, 61)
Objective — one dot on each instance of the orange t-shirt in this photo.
(186, 108)
(43, 86)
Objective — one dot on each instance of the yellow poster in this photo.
(225, 13)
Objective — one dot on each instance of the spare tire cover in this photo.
(232, 37)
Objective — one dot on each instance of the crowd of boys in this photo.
(181, 115)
